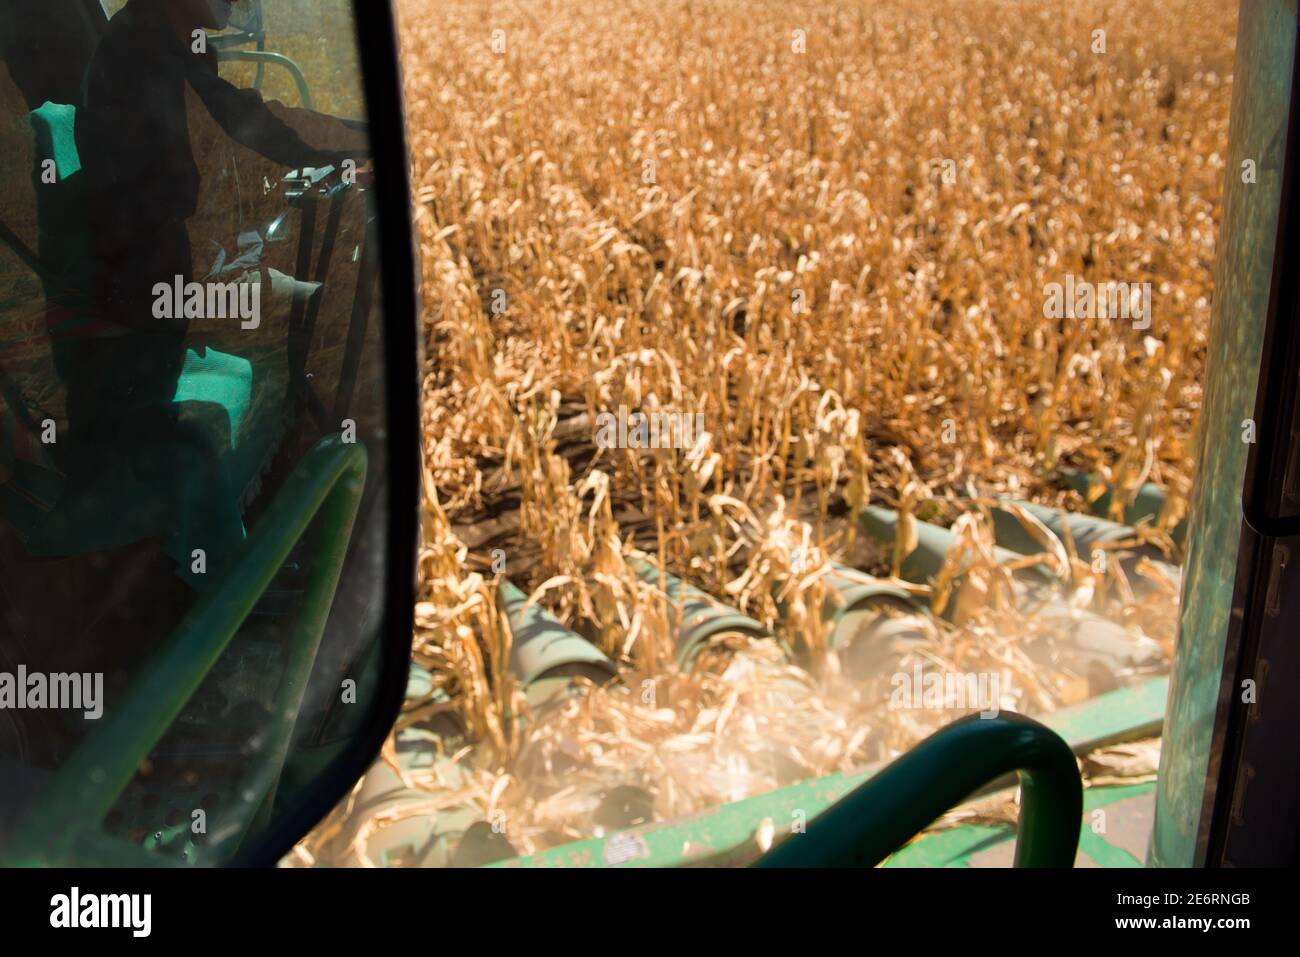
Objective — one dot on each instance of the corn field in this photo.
(825, 229)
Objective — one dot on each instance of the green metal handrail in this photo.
(264, 57)
(328, 482)
(885, 812)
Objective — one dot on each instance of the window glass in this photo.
(812, 307)
(192, 422)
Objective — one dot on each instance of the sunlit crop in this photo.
(827, 228)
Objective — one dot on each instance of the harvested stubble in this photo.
(664, 206)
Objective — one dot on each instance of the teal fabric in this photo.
(235, 412)
(54, 125)
(124, 506)
(254, 396)
(217, 377)
(65, 242)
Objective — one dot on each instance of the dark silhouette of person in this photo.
(141, 184)
(142, 178)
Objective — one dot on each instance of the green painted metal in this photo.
(97, 849)
(856, 588)
(1147, 504)
(327, 483)
(954, 847)
(715, 836)
(1087, 532)
(306, 762)
(1105, 853)
(545, 657)
(933, 542)
(886, 811)
(1123, 715)
(1261, 94)
(727, 834)
(424, 833)
(544, 648)
(951, 847)
(861, 613)
(874, 621)
(695, 615)
(263, 58)
(1099, 649)
(334, 519)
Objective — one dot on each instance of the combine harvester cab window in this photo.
(811, 397)
(818, 387)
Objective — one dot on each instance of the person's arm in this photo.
(249, 121)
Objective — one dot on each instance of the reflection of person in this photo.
(142, 185)
(142, 178)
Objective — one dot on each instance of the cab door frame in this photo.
(1254, 817)
(398, 286)
(1229, 788)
